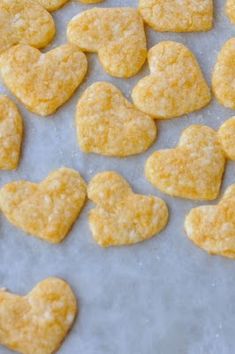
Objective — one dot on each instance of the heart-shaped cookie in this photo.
(223, 75)
(116, 34)
(43, 82)
(48, 209)
(230, 10)
(212, 227)
(227, 137)
(24, 21)
(11, 131)
(175, 86)
(177, 16)
(192, 170)
(108, 124)
(51, 5)
(38, 322)
(122, 217)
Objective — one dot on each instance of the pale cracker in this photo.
(48, 209)
(116, 34)
(177, 16)
(24, 21)
(227, 137)
(52, 5)
(192, 170)
(43, 82)
(223, 75)
(212, 227)
(38, 322)
(122, 217)
(108, 124)
(11, 131)
(230, 10)
(175, 86)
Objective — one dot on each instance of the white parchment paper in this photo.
(163, 296)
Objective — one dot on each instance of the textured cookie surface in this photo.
(52, 5)
(11, 131)
(175, 86)
(117, 35)
(227, 137)
(43, 82)
(212, 227)
(38, 322)
(177, 16)
(48, 209)
(110, 125)
(224, 75)
(230, 10)
(24, 21)
(192, 170)
(122, 217)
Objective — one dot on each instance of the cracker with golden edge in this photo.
(24, 21)
(90, 1)
(177, 16)
(43, 82)
(38, 322)
(47, 209)
(212, 227)
(11, 131)
(116, 34)
(227, 137)
(192, 170)
(122, 217)
(52, 5)
(110, 125)
(224, 75)
(175, 86)
(230, 10)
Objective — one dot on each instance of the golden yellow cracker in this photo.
(43, 82)
(116, 34)
(122, 217)
(175, 86)
(192, 170)
(51, 5)
(24, 21)
(177, 16)
(48, 209)
(230, 10)
(38, 322)
(227, 137)
(108, 124)
(11, 131)
(212, 227)
(223, 75)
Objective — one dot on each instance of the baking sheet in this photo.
(163, 296)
